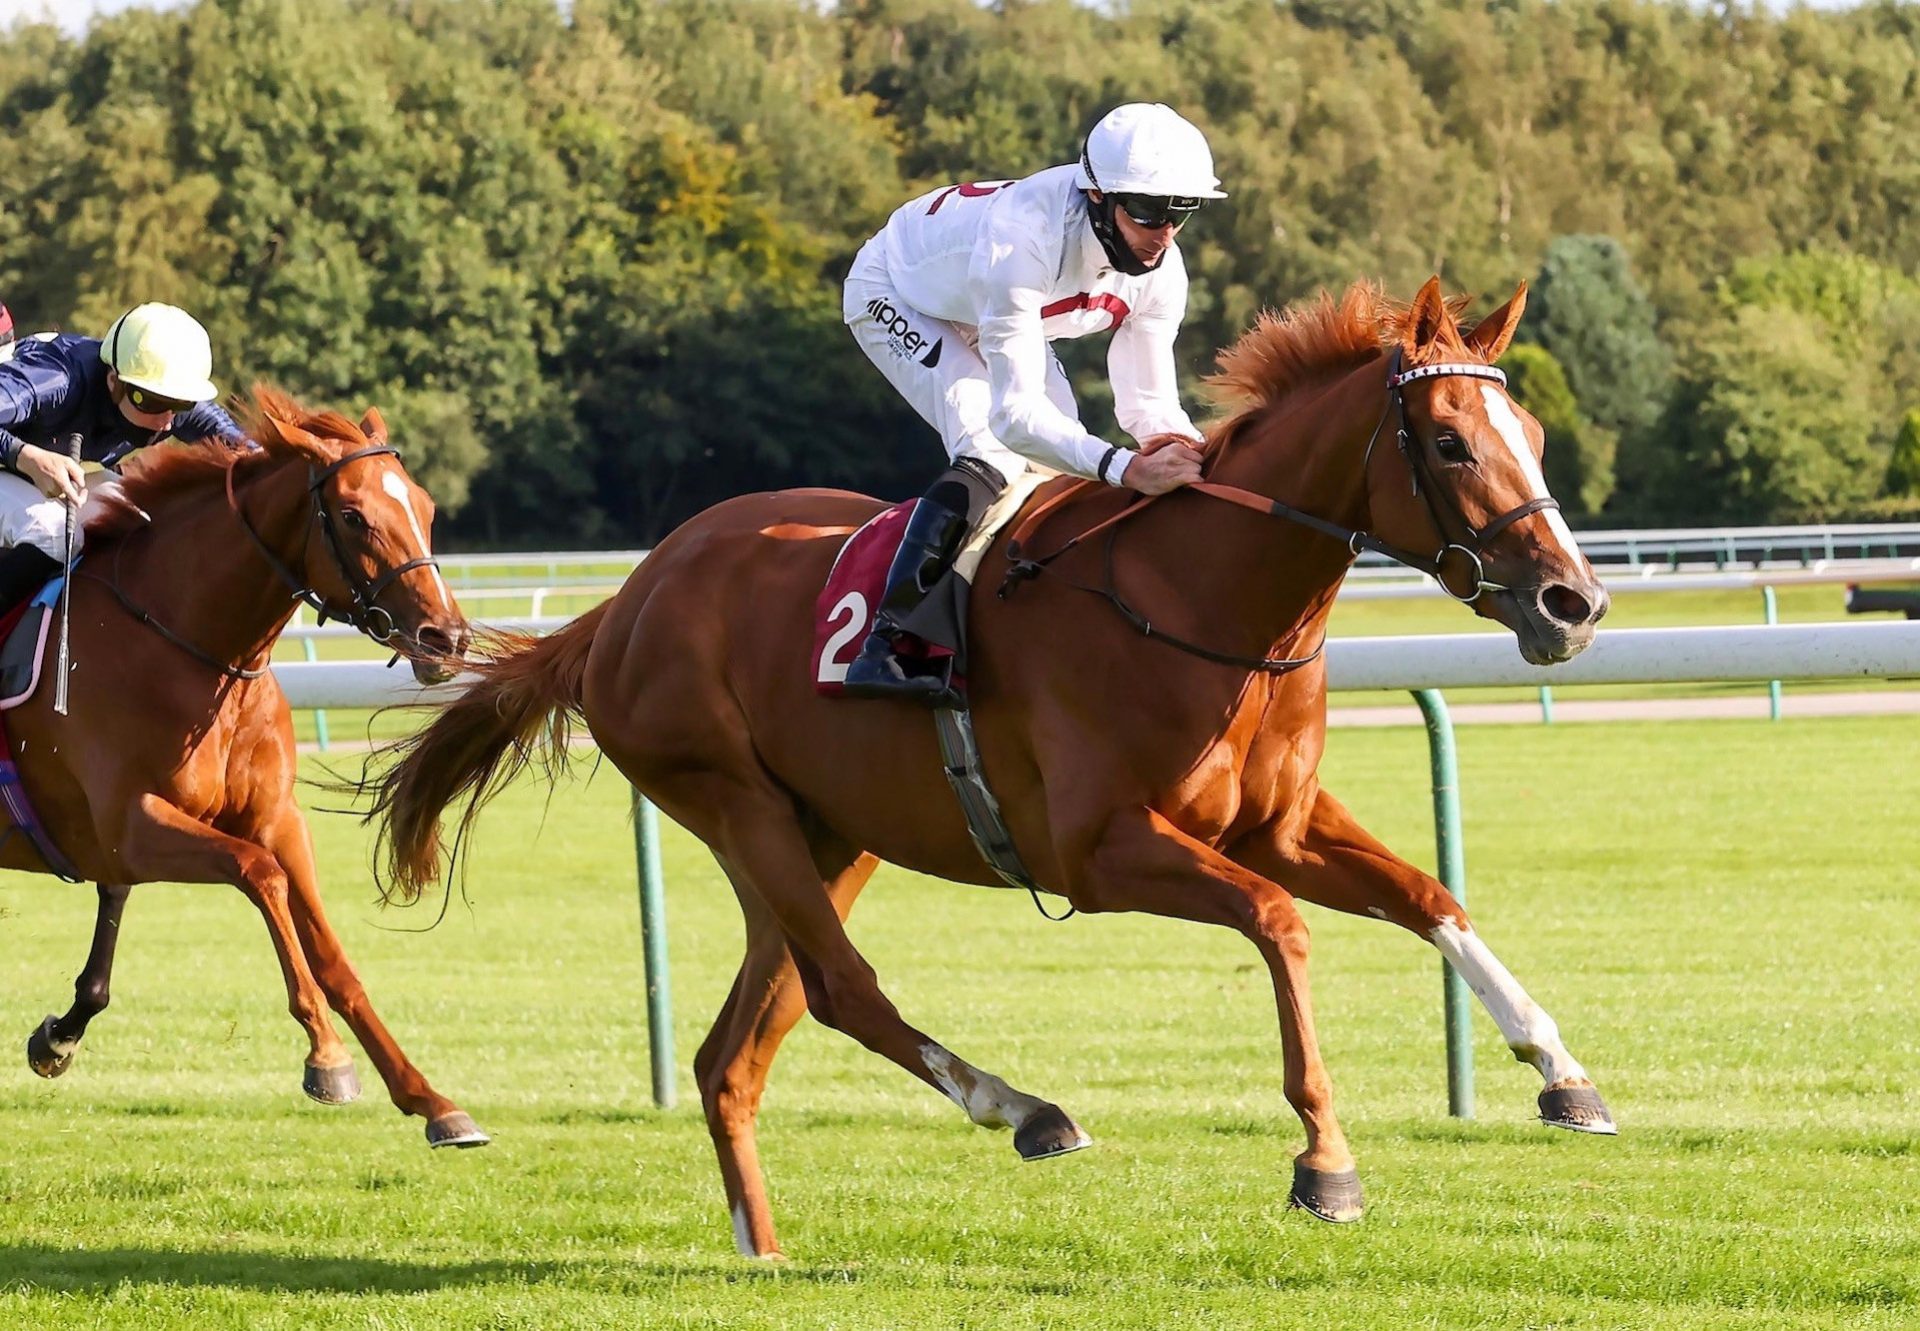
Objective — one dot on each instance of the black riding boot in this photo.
(24, 570)
(939, 524)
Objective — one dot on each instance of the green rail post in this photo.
(1450, 843)
(1546, 705)
(319, 713)
(653, 942)
(1773, 617)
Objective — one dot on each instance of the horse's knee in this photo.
(90, 995)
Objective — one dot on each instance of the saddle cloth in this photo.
(23, 643)
(843, 612)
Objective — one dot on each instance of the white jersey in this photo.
(1018, 264)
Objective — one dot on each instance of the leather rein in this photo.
(365, 614)
(1467, 552)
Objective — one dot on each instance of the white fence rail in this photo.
(1620, 656)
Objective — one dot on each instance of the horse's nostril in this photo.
(1565, 605)
(436, 642)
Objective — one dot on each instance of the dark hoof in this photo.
(1578, 1108)
(40, 1052)
(331, 1086)
(1049, 1133)
(1330, 1196)
(455, 1129)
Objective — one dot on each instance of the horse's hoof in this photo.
(1049, 1133)
(456, 1128)
(331, 1086)
(41, 1055)
(1578, 1108)
(1333, 1196)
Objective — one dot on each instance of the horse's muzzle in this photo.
(1551, 621)
(439, 652)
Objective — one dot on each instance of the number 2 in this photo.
(833, 670)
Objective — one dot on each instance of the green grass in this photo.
(1723, 917)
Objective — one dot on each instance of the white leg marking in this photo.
(742, 1238)
(1514, 435)
(988, 1101)
(1530, 1032)
(392, 483)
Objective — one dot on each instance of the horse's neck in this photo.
(1267, 578)
(202, 576)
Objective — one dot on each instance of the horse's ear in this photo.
(1492, 334)
(373, 426)
(300, 441)
(1426, 320)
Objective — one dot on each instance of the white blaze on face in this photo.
(396, 487)
(1514, 435)
(1529, 1031)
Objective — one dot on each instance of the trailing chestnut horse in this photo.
(176, 761)
(1135, 775)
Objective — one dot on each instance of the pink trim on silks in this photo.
(39, 660)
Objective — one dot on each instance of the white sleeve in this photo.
(1146, 390)
(1009, 276)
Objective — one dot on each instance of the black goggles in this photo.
(145, 399)
(1156, 210)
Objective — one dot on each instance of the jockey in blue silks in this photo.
(145, 381)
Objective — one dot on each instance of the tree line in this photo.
(588, 262)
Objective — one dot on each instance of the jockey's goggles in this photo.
(150, 402)
(1154, 211)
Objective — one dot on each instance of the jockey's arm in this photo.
(1010, 289)
(207, 420)
(1146, 390)
(31, 394)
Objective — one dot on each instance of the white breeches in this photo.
(28, 517)
(934, 365)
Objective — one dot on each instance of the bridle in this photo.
(1466, 553)
(365, 614)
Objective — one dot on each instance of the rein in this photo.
(371, 619)
(1470, 549)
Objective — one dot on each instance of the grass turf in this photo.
(1724, 917)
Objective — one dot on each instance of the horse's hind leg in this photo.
(731, 1067)
(755, 833)
(51, 1047)
(1336, 863)
(447, 1123)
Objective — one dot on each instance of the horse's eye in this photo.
(1452, 448)
(354, 518)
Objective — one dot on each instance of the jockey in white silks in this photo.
(145, 381)
(956, 301)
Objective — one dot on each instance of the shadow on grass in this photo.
(32, 1267)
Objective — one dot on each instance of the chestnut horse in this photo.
(1134, 775)
(176, 761)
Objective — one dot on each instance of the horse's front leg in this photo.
(51, 1047)
(1142, 862)
(161, 842)
(447, 1123)
(1335, 862)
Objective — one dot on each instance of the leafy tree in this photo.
(1903, 467)
(1579, 454)
(1589, 312)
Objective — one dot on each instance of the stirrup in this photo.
(880, 674)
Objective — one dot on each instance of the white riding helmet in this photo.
(1147, 148)
(162, 349)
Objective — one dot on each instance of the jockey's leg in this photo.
(33, 534)
(1334, 862)
(935, 531)
(1140, 861)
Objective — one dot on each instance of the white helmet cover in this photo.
(1148, 148)
(163, 349)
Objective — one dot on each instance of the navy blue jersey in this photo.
(59, 387)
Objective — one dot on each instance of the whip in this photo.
(72, 445)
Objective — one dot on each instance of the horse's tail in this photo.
(520, 710)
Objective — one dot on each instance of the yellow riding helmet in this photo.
(162, 349)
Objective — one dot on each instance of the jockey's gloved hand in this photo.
(55, 475)
(1172, 464)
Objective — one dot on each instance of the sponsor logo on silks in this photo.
(908, 342)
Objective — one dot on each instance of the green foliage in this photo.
(611, 235)
(1903, 465)
(1579, 454)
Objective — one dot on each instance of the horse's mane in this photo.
(156, 475)
(1313, 341)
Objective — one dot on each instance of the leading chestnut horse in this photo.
(1134, 775)
(176, 760)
